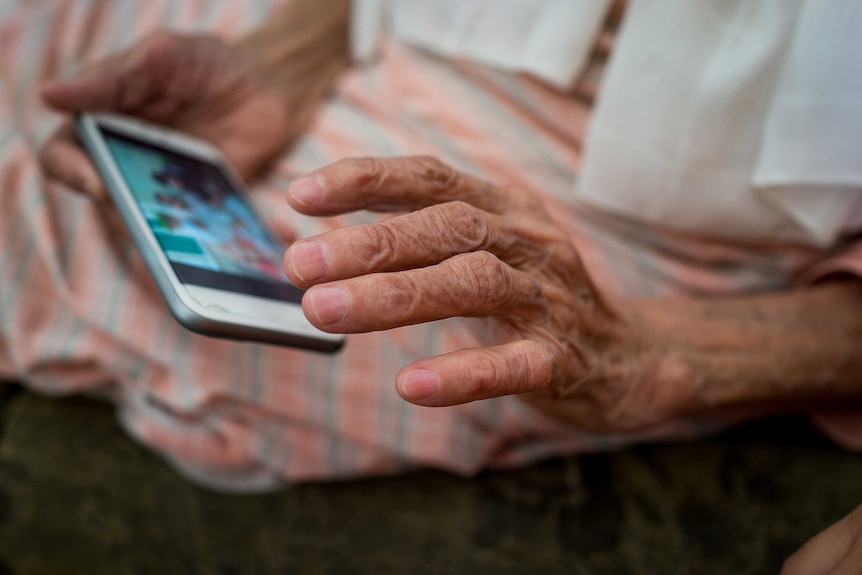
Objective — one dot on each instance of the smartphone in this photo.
(217, 265)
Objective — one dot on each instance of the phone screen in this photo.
(209, 233)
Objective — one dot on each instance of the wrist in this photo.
(297, 47)
(661, 364)
(704, 357)
(299, 52)
(783, 350)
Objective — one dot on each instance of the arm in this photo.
(473, 249)
(768, 353)
(301, 50)
(793, 347)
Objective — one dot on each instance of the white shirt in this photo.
(732, 118)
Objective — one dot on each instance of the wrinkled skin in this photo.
(462, 247)
(556, 335)
(465, 247)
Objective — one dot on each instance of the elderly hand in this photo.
(835, 551)
(468, 248)
(250, 98)
(193, 83)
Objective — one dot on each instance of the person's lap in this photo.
(80, 314)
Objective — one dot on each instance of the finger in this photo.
(122, 83)
(412, 240)
(480, 373)
(390, 184)
(63, 160)
(822, 553)
(468, 284)
(852, 562)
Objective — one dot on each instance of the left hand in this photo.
(469, 248)
(196, 84)
(835, 551)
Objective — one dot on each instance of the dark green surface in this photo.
(76, 496)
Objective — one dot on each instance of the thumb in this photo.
(121, 83)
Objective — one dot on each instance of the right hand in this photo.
(835, 551)
(197, 84)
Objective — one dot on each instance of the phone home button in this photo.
(216, 308)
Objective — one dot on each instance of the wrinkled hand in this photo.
(468, 248)
(197, 84)
(835, 551)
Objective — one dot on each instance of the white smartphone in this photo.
(216, 263)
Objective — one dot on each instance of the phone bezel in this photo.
(206, 310)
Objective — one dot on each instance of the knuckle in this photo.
(526, 367)
(487, 278)
(380, 245)
(396, 293)
(532, 364)
(519, 369)
(464, 223)
(483, 375)
(433, 171)
(370, 172)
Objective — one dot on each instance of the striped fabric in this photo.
(79, 314)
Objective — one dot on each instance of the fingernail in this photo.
(308, 260)
(419, 384)
(307, 190)
(329, 304)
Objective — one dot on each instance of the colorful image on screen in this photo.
(196, 215)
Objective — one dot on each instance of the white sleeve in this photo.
(550, 39)
(809, 164)
(739, 119)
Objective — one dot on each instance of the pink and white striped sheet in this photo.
(78, 313)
